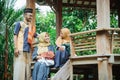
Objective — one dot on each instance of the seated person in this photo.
(63, 48)
(43, 54)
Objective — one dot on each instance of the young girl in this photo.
(63, 48)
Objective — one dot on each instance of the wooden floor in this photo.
(87, 66)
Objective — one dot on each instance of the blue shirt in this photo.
(21, 30)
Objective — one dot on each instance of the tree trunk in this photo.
(6, 53)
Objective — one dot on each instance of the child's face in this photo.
(47, 38)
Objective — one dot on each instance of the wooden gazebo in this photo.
(104, 65)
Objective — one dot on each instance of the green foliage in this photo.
(8, 16)
(114, 20)
(46, 24)
(78, 20)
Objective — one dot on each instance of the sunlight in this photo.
(21, 3)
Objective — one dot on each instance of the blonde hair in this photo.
(65, 39)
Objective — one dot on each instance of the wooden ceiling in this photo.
(114, 4)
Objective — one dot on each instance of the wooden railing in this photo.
(84, 43)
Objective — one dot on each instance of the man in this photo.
(22, 47)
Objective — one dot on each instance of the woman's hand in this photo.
(62, 48)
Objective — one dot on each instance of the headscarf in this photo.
(43, 45)
(65, 39)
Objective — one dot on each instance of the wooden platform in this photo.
(87, 66)
(102, 65)
(93, 59)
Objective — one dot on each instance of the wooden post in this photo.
(72, 49)
(58, 16)
(105, 69)
(71, 72)
(102, 40)
(31, 4)
(103, 14)
(6, 54)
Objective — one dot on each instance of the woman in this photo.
(43, 54)
(63, 48)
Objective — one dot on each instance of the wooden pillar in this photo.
(72, 50)
(103, 14)
(103, 21)
(58, 16)
(71, 71)
(31, 4)
(102, 40)
(104, 69)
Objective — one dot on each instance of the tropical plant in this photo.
(8, 16)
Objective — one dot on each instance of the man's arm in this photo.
(16, 52)
(16, 32)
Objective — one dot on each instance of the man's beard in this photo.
(28, 20)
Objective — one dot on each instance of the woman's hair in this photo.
(65, 38)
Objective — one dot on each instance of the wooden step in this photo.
(64, 72)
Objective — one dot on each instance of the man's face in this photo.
(28, 17)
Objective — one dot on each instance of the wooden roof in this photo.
(114, 4)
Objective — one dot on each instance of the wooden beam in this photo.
(72, 50)
(51, 4)
(31, 4)
(89, 3)
(64, 72)
(103, 43)
(84, 60)
(103, 21)
(71, 72)
(103, 14)
(95, 30)
(78, 5)
(104, 70)
(58, 16)
(102, 39)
